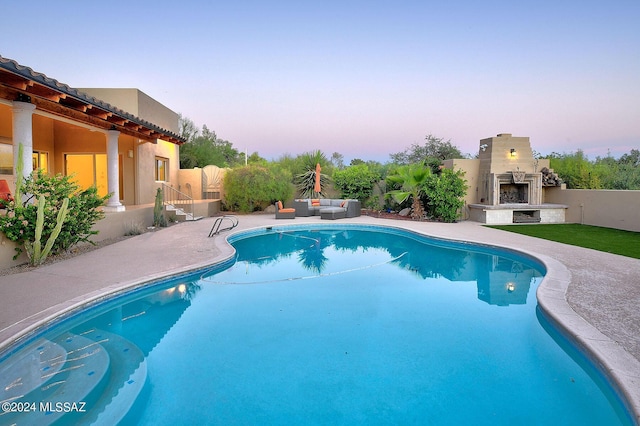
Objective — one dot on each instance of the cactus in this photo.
(19, 178)
(158, 216)
(34, 251)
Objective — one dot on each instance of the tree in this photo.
(207, 149)
(188, 129)
(632, 159)
(621, 174)
(254, 187)
(578, 172)
(412, 179)
(433, 148)
(575, 170)
(356, 182)
(255, 158)
(337, 160)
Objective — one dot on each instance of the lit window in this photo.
(6, 159)
(162, 168)
(41, 161)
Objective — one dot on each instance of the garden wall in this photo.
(598, 207)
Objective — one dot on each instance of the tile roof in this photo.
(24, 81)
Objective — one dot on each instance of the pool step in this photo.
(85, 367)
(100, 372)
(128, 375)
(30, 371)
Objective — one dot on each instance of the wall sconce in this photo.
(513, 152)
(511, 287)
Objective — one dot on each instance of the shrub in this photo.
(445, 192)
(20, 223)
(356, 181)
(411, 180)
(253, 187)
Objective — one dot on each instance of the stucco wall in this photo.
(598, 207)
(158, 114)
(471, 169)
(192, 177)
(138, 103)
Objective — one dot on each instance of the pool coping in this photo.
(620, 367)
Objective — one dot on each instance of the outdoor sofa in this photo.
(327, 208)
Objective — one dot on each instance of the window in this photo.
(40, 161)
(162, 169)
(88, 170)
(6, 159)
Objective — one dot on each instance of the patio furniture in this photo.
(282, 213)
(313, 207)
(332, 213)
(5, 192)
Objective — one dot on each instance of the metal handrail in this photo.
(215, 229)
(173, 197)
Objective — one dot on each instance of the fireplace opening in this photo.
(514, 193)
(526, 216)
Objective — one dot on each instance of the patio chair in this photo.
(5, 193)
(282, 213)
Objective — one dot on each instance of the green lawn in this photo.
(625, 243)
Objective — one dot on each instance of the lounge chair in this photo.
(5, 193)
(282, 213)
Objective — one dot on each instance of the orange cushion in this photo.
(279, 205)
(287, 210)
(342, 204)
(5, 192)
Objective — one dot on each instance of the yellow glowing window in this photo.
(88, 170)
(41, 161)
(6, 159)
(162, 168)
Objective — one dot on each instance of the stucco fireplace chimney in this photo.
(508, 171)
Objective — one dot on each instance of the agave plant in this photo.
(305, 182)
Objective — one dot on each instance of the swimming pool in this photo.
(325, 325)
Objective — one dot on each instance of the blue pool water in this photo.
(323, 325)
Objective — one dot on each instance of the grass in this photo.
(625, 243)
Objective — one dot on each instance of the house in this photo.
(128, 150)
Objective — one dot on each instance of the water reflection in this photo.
(96, 362)
(500, 281)
(148, 319)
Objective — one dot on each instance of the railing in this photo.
(177, 199)
(216, 228)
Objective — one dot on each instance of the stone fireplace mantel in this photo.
(527, 186)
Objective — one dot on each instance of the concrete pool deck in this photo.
(595, 295)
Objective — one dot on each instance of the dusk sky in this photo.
(362, 78)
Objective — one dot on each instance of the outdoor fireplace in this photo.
(517, 188)
(511, 184)
(514, 193)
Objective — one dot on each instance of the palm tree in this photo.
(412, 179)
